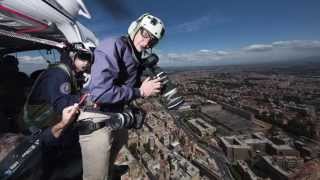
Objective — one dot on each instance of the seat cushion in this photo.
(9, 141)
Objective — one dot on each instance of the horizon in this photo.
(28, 64)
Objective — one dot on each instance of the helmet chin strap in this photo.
(73, 65)
(146, 53)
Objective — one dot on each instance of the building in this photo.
(246, 146)
(280, 168)
(145, 137)
(235, 149)
(201, 127)
(175, 146)
(152, 142)
(257, 141)
(279, 147)
(245, 172)
(165, 139)
(189, 171)
(309, 171)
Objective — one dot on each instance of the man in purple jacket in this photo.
(115, 82)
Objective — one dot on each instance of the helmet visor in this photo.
(85, 56)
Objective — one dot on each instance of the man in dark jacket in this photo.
(55, 89)
(115, 82)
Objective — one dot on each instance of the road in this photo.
(215, 153)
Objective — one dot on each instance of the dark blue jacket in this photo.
(54, 88)
(115, 74)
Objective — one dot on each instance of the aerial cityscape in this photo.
(238, 122)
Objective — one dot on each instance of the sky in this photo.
(212, 32)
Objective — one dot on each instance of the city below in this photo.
(253, 122)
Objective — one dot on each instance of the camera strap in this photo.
(86, 127)
(91, 120)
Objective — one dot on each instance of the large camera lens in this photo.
(169, 93)
(131, 118)
(163, 77)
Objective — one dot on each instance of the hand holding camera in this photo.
(150, 87)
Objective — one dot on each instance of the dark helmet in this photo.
(9, 60)
(83, 52)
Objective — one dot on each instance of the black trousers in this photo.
(58, 152)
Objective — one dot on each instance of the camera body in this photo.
(169, 93)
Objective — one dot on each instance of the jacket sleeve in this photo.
(59, 90)
(105, 72)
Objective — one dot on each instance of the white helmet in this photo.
(149, 22)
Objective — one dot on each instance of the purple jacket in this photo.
(115, 74)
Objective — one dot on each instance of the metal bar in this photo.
(32, 39)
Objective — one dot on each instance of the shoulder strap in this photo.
(26, 104)
(67, 70)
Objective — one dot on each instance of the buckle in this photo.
(91, 125)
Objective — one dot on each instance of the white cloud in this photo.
(29, 64)
(258, 47)
(193, 25)
(201, 22)
(298, 44)
(205, 50)
(222, 53)
(32, 59)
(275, 51)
